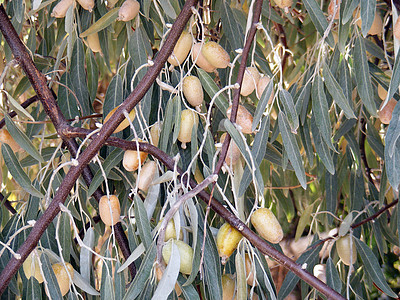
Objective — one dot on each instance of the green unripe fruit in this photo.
(185, 253)
(343, 245)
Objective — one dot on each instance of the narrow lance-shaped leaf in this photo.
(394, 81)
(211, 89)
(262, 104)
(102, 23)
(392, 149)
(321, 147)
(287, 101)
(232, 29)
(367, 9)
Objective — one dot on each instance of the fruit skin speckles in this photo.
(201, 61)
(267, 225)
(250, 81)
(228, 239)
(109, 218)
(185, 253)
(343, 249)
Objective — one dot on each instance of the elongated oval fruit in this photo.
(62, 276)
(170, 231)
(93, 42)
(132, 159)
(60, 10)
(185, 253)
(188, 119)
(249, 271)
(283, 3)
(228, 287)
(233, 155)
(200, 60)
(228, 239)
(31, 266)
(385, 114)
(334, 4)
(250, 80)
(181, 49)
(86, 4)
(262, 85)
(319, 271)
(155, 131)
(193, 90)
(147, 174)
(267, 225)
(110, 210)
(124, 123)
(343, 250)
(5, 137)
(243, 118)
(216, 55)
(128, 10)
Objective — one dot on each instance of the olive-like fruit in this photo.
(110, 210)
(87, 4)
(170, 231)
(185, 253)
(193, 90)
(188, 119)
(93, 42)
(243, 118)
(181, 49)
(216, 55)
(228, 287)
(132, 159)
(60, 10)
(128, 10)
(262, 85)
(250, 80)
(267, 225)
(233, 155)
(249, 271)
(385, 114)
(147, 173)
(343, 249)
(155, 131)
(62, 276)
(124, 123)
(200, 60)
(319, 271)
(5, 137)
(228, 239)
(31, 266)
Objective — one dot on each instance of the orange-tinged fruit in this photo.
(262, 85)
(124, 123)
(200, 60)
(128, 10)
(216, 55)
(155, 131)
(193, 90)
(233, 155)
(250, 80)
(62, 276)
(243, 118)
(228, 239)
(31, 266)
(385, 114)
(87, 4)
(249, 271)
(188, 119)
(267, 225)
(185, 253)
(60, 10)
(147, 173)
(110, 210)
(319, 271)
(5, 137)
(228, 287)
(343, 250)
(94, 42)
(132, 159)
(334, 4)
(181, 49)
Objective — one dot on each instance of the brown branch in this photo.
(7, 204)
(362, 151)
(107, 129)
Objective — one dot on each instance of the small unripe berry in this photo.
(193, 90)
(87, 4)
(188, 119)
(228, 287)
(110, 210)
(31, 266)
(216, 55)
(385, 114)
(93, 42)
(124, 123)
(147, 173)
(128, 10)
(331, 9)
(250, 80)
(228, 239)
(132, 159)
(243, 118)
(62, 276)
(267, 225)
(201, 61)
(5, 137)
(319, 271)
(185, 253)
(261, 86)
(249, 271)
(343, 250)
(60, 10)
(181, 49)
(233, 155)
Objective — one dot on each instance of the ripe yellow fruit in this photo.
(31, 267)
(319, 271)
(147, 174)
(62, 276)
(249, 271)
(331, 9)
(155, 131)
(188, 119)
(228, 287)
(124, 123)
(87, 4)
(132, 158)
(201, 61)
(343, 250)
(110, 211)
(243, 118)
(385, 114)
(193, 90)
(377, 24)
(250, 80)
(60, 10)
(170, 231)
(181, 49)
(262, 85)
(233, 155)
(283, 3)
(185, 253)
(267, 225)
(228, 239)
(93, 42)
(5, 137)
(128, 10)
(216, 55)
